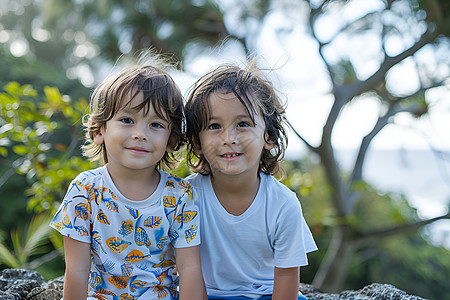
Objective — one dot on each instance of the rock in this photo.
(375, 291)
(15, 277)
(19, 284)
(41, 293)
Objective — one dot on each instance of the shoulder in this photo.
(194, 177)
(197, 180)
(279, 195)
(90, 175)
(86, 180)
(273, 187)
(176, 185)
(173, 181)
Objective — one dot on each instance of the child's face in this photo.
(231, 143)
(134, 140)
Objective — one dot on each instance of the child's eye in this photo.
(126, 120)
(156, 125)
(214, 126)
(244, 124)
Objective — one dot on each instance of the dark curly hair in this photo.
(258, 97)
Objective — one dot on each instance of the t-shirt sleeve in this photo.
(73, 216)
(184, 228)
(293, 239)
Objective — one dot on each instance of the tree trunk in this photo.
(333, 269)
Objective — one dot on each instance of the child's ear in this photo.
(197, 149)
(98, 137)
(169, 148)
(268, 143)
(171, 144)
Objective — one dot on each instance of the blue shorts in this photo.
(268, 297)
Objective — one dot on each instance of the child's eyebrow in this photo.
(126, 110)
(132, 111)
(239, 116)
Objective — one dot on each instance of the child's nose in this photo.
(229, 136)
(139, 133)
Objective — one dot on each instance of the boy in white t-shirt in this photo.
(122, 222)
(254, 236)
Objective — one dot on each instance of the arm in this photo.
(286, 283)
(78, 262)
(189, 269)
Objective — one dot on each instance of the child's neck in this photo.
(236, 194)
(136, 185)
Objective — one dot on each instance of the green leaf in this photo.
(53, 95)
(12, 88)
(67, 111)
(21, 149)
(6, 257)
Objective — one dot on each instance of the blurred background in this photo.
(366, 86)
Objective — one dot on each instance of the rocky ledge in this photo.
(18, 284)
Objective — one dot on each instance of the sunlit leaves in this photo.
(20, 149)
(54, 178)
(38, 136)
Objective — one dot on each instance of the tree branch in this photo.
(382, 121)
(390, 61)
(312, 16)
(308, 145)
(347, 26)
(357, 168)
(375, 236)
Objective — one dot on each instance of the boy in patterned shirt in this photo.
(124, 222)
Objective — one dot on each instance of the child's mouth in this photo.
(138, 150)
(230, 155)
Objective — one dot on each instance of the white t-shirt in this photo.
(239, 252)
(131, 241)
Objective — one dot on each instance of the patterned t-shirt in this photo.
(131, 241)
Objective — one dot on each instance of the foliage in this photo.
(40, 136)
(26, 242)
(37, 138)
(407, 261)
(39, 74)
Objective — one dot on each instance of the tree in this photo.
(346, 238)
(430, 28)
(39, 74)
